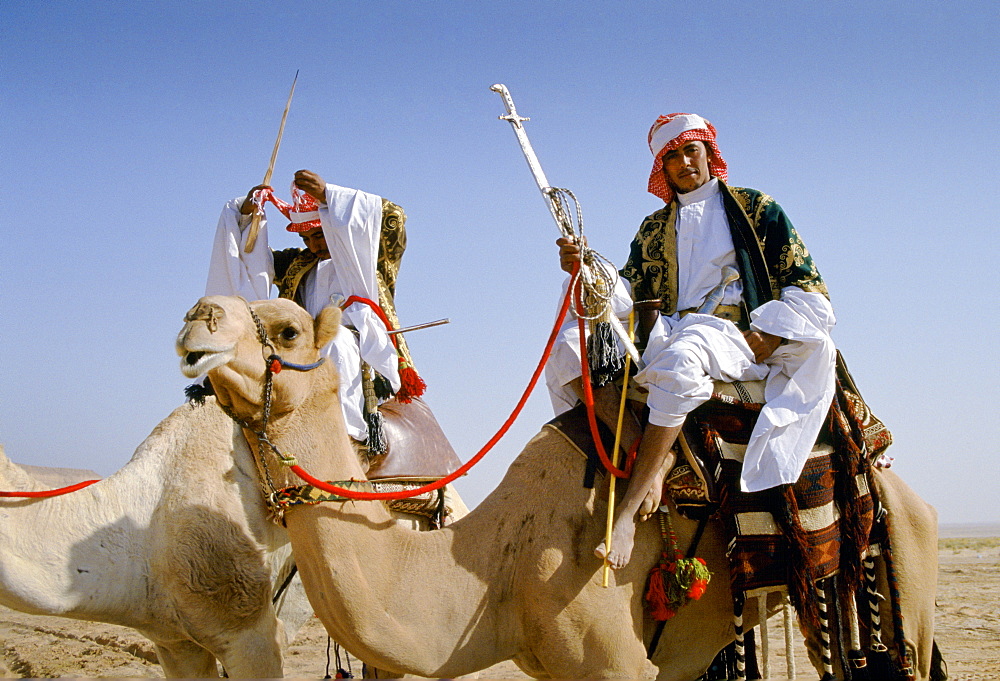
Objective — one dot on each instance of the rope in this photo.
(765, 644)
(786, 608)
(430, 487)
(588, 394)
(44, 494)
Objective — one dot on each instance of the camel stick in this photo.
(605, 577)
(255, 221)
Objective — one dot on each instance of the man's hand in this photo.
(762, 343)
(312, 184)
(247, 206)
(569, 253)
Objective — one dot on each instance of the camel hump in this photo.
(417, 448)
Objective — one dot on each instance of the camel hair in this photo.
(514, 579)
(177, 544)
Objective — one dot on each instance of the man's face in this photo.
(316, 243)
(686, 167)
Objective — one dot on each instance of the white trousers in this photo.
(681, 363)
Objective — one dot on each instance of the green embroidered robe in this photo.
(769, 253)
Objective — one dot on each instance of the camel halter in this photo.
(273, 364)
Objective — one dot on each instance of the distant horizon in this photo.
(969, 530)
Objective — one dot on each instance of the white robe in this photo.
(352, 221)
(683, 356)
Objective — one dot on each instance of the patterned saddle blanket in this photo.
(789, 536)
(793, 535)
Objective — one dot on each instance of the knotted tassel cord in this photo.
(592, 287)
(410, 383)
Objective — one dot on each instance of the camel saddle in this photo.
(416, 446)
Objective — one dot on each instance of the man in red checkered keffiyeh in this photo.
(353, 242)
(672, 132)
(676, 262)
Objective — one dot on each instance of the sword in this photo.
(255, 221)
(547, 190)
(529, 153)
(714, 297)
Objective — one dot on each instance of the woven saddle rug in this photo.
(792, 535)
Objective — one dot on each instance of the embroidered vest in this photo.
(769, 253)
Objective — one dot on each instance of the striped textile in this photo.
(789, 535)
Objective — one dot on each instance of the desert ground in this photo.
(968, 631)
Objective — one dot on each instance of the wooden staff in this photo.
(255, 221)
(614, 459)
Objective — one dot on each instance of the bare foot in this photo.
(651, 501)
(622, 541)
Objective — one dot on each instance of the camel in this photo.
(177, 545)
(516, 577)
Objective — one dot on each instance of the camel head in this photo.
(222, 339)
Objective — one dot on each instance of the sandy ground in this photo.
(968, 632)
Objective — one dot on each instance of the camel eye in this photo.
(289, 333)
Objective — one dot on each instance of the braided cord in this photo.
(597, 274)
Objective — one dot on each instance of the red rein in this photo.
(572, 290)
(44, 494)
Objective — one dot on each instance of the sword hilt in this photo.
(508, 103)
(516, 121)
(711, 304)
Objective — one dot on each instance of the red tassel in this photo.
(410, 385)
(656, 595)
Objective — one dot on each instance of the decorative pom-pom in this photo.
(411, 385)
(673, 584)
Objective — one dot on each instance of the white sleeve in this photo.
(797, 315)
(232, 272)
(352, 225)
(800, 386)
(564, 362)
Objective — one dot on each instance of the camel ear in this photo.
(327, 325)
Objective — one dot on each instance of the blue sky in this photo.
(127, 128)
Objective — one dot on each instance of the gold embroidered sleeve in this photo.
(391, 244)
(786, 254)
(652, 262)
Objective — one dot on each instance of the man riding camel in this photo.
(353, 245)
(772, 323)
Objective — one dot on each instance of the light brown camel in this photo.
(176, 545)
(516, 578)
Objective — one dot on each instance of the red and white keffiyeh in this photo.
(303, 211)
(670, 132)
